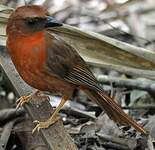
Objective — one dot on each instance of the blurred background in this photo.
(131, 21)
(109, 17)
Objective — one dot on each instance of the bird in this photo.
(47, 63)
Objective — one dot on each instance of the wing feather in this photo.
(64, 62)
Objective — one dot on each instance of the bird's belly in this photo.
(29, 61)
(35, 77)
(44, 82)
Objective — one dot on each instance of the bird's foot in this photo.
(46, 124)
(22, 100)
(25, 99)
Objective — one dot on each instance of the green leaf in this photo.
(135, 95)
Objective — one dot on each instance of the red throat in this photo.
(26, 50)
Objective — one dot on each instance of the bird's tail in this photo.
(113, 110)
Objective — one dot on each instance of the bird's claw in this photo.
(40, 125)
(22, 100)
(36, 121)
(37, 127)
(44, 125)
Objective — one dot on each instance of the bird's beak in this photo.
(52, 22)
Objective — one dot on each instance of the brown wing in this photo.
(64, 62)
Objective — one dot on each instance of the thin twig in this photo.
(129, 143)
(141, 84)
(149, 143)
(6, 134)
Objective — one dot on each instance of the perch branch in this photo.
(55, 136)
(141, 84)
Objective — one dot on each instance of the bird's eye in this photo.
(31, 22)
(35, 24)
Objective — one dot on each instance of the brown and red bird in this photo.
(47, 63)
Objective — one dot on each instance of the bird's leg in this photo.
(25, 99)
(52, 119)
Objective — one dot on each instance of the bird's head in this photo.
(27, 20)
